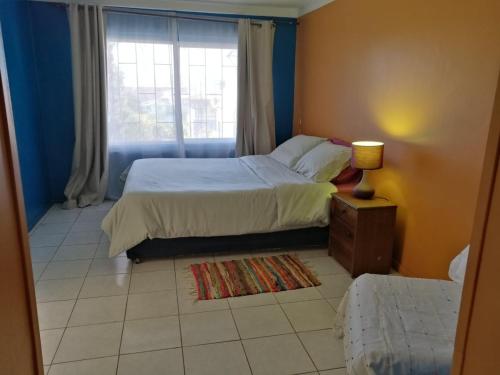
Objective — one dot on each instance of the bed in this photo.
(185, 198)
(399, 325)
(282, 199)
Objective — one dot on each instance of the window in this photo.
(146, 103)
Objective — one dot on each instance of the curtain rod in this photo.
(175, 14)
(166, 13)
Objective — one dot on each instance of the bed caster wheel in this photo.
(137, 260)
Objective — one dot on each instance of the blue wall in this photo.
(18, 45)
(53, 59)
(53, 53)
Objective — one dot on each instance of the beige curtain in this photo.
(255, 127)
(88, 181)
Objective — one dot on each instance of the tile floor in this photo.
(105, 316)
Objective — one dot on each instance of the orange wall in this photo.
(420, 76)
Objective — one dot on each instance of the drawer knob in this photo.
(379, 258)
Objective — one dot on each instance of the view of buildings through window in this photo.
(142, 92)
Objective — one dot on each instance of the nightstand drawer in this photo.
(342, 232)
(342, 211)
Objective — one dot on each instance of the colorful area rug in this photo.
(251, 276)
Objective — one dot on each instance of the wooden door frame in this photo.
(481, 220)
(8, 133)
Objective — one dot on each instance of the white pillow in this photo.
(292, 150)
(458, 266)
(324, 162)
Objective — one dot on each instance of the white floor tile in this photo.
(60, 216)
(326, 350)
(110, 266)
(311, 253)
(208, 327)
(99, 366)
(333, 286)
(103, 251)
(152, 363)
(297, 295)
(65, 270)
(189, 303)
(98, 310)
(152, 305)
(338, 371)
(182, 263)
(216, 359)
(149, 265)
(86, 226)
(50, 340)
(43, 254)
(46, 240)
(325, 266)
(82, 238)
(75, 252)
(261, 321)
(37, 269)
(105, 286)
(53, 228)
(150, 334)
(143, 282)
(334, 302)
(260, 299)
(57, 290)
(310, 315)
(277, 355)
(54, 314)
(91, 216)
(88, 342)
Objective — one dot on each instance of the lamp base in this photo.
(363, 190)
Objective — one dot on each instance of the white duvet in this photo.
(168, 198)
(398, 325)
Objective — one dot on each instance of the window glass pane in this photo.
(163, 54)
(229, 94)
(197, 56)
(163, 76)
(145, 68)
(165, 106)
(230, 57)
(126, 52)
(141, 87)
(128, 75)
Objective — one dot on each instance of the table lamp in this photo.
(366, 155)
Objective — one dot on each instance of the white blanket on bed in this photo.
(168, 198)
(399, 325)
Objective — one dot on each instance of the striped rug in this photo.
(251, 276)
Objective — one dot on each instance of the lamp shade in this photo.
(367, 155)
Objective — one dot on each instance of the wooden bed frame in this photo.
(156, 248)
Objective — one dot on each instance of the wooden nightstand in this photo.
(362, 233)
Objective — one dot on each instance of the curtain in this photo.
(172, 88)
(88, 181)
(255, 125)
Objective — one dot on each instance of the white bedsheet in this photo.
(399, 325)
(168, 198)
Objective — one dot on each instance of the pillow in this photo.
(292, 150)
(324, 162)
(458, 266)
(349, 175)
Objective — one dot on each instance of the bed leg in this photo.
(137, 260)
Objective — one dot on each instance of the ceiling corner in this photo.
(312, 5)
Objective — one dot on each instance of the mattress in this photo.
(171, 198)
(398, 325)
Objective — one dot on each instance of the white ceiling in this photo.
(276, 8)
(286, 8)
